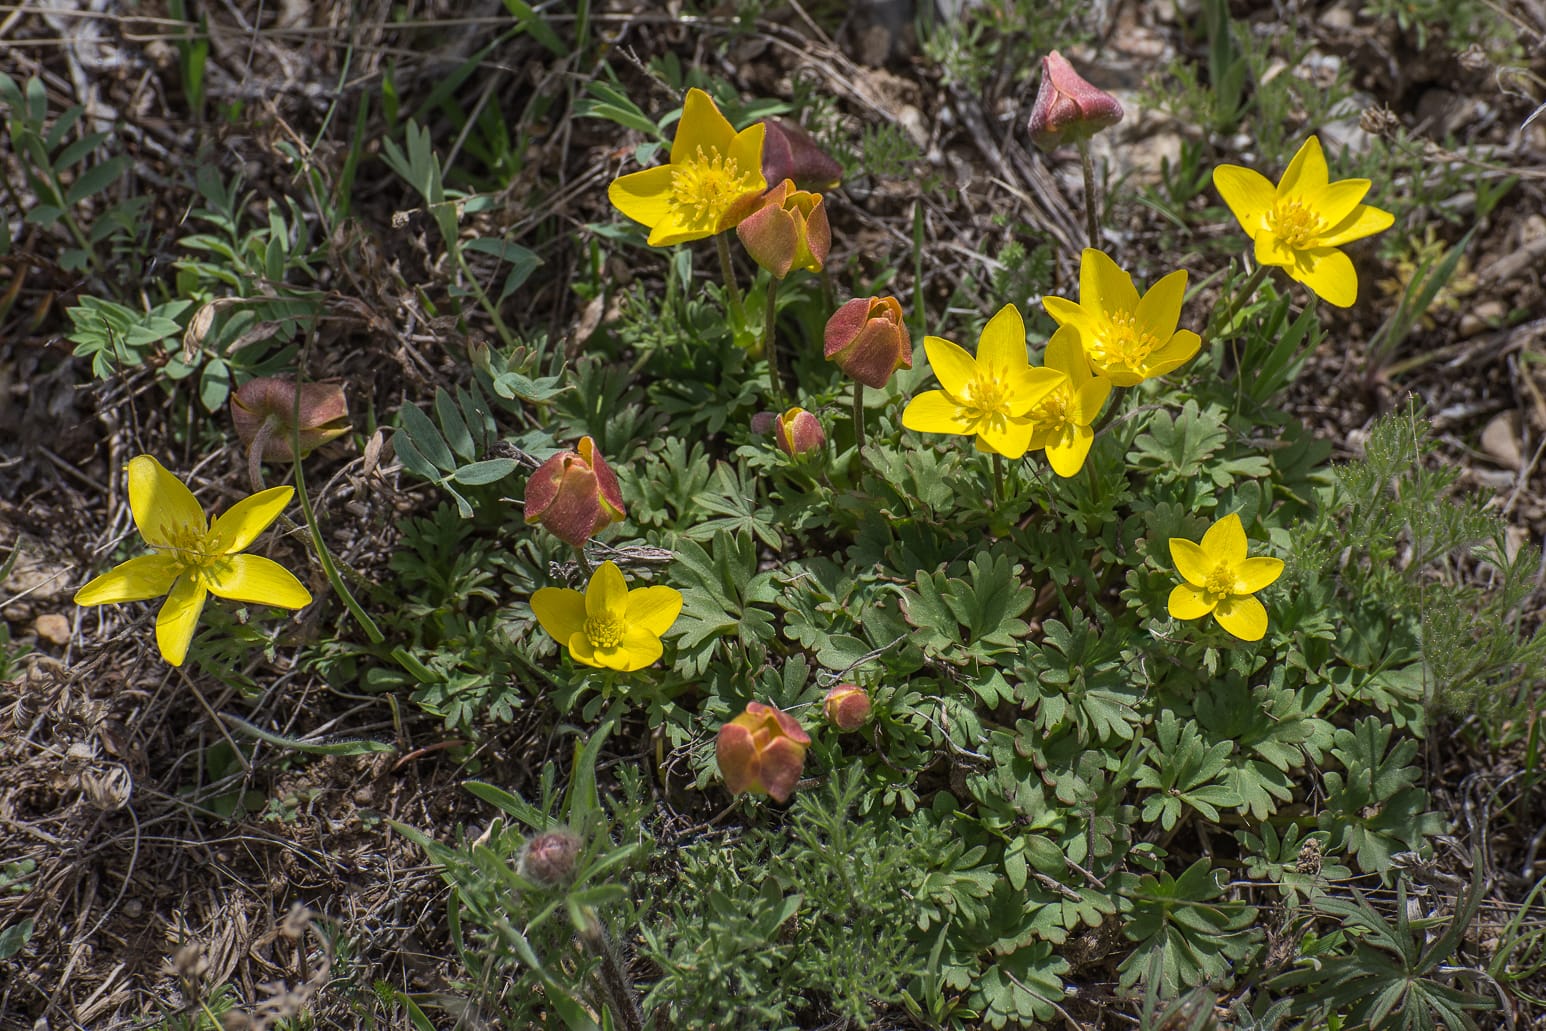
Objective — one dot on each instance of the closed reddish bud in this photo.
(847, 706)
(549, 858)
(762, 751)
(788, 231)
(1067, 107)
(574, 494)
(868, 340)
(789, 152)
(265, 413)
(798, 432)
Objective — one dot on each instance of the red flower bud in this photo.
(264, 412)
(798, 432)
(548, 859)
(1067, 107)
(574, 494)
(868, 339)
(789, 152)
(788, 231)
(847, 706)
(762, 751)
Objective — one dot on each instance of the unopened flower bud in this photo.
(548, 859)
(762, 751)
(264, 411)
(868, 339)
(798, 432)
(788, 231)
(1067, 107)
(847, 706)
(574, 494)
(789, 152)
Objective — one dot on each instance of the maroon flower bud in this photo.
(264, 412)
(548, 859)
(847, 706)
(788, 231)
(789, 152)
(574, 494)
(798, 432)
(1067, 107)
(762, 751)
(868, 340)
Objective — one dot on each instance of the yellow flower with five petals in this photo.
(1221, 580)
(609, 626)
(989, 396)
(1299, 223)
(194, 559)
(712, 181)
(1127, 338)
(1060, 422)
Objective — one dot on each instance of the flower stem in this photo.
(998, 479)
(859, 416)
(1091, 202)
(614, 981)
(732, 290)
(770, 343)
(579, 554)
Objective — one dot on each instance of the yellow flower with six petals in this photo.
(696, 195)
(989, 396)
(1060, 422)
(609, 626)
(194, 559)
(1220, 579)
(1299, 224)
(1126, 337)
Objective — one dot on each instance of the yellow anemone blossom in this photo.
(1299, 224)
(193, 559)
(1220, 579)
(1126, 337)
(988, 396)
(1060, 422)
(609, 626)
(712, 168)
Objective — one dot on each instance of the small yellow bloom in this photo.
(1126, 337)
(712, 168)
(1221, 580)
(1060, 422)
(1299, 224)
(194, 559)
(609, 626)
(988, 396)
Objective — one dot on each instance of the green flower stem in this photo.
(727, 267)
(1240, 297)
(614, 980)
(1091, 202)
(859, 416)
(998, 479)
(579, 554)
(770, 343)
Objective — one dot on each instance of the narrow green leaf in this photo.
(357, 746)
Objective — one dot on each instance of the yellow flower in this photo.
(194, 559)
(609, 626)
(1060, 422)
(987, 397)
(1299, 224)
(1126, 337)
(712, 167)
(1220, 579)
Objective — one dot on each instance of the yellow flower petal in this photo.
(1063, 311)
(1255, 573)
(952, 366)
(1090, 399)
(1177, 352)
(164, 509)
(148, 576)
(582, 651)
(255, 579)
(1001, 348)
(1224, 543)
(1066, 355)
(653, 609)
(1192, 562)
(1188, 602)
(1249, 194)
(178, 618)
(606, 596)
(1243, 616)
(235, 529)
(1029, 386)
(745, 151)
(1364, 221)
(1306, 173)
(1113, 289)
(1009, 437)
(639, 649)
(643, 196)
(1270, 250)
(934, 412)
(1160, 309)
(1340, 199)
(1066, 453)
(560, 611)
(1329, 273)
(701, 126)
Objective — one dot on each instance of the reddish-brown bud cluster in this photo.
(574, 494)
(762, 751)
(1067, 107)
(868, 339)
